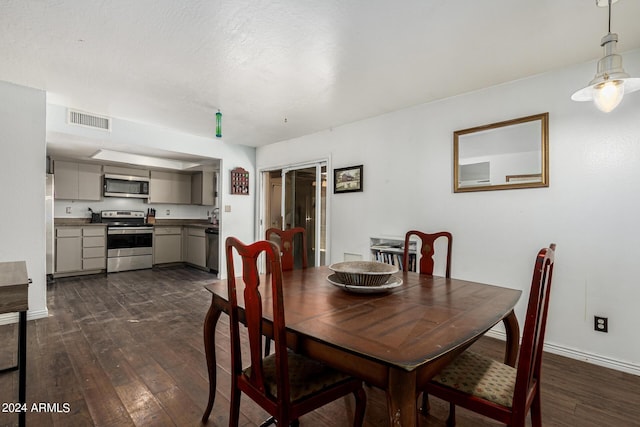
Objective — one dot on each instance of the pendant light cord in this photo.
(609, 16)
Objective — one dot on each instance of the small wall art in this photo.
(347, 180)
(240, 181)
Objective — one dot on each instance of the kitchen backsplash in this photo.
(80, 208)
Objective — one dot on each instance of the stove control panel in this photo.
(122, 214)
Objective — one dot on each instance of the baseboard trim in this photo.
(571, 353)
(7, 318)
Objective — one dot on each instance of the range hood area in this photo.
(125, 186)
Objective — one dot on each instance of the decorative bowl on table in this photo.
(363, 273)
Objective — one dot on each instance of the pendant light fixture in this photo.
(218, 124)
(611, 82)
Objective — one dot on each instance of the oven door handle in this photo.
(130, 230)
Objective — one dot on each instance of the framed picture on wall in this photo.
(347, 180)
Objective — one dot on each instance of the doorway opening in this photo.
(296, 196)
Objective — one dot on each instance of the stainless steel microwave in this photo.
(126, 186)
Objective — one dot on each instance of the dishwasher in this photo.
(212, 249)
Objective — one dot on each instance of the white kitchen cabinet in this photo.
(80, 249)
(89, 182)
(66, 179)
(203, 188)
(169, 187)
(77, 181)
(94, 255)
(196, 246)
(68, 250)
(119, 170)
(167, 245)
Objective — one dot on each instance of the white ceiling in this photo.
(284, 68)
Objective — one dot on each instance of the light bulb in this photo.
(607, 95)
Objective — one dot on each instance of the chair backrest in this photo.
(427, 250)
(254, 384)
(530, 355)
(286, 244)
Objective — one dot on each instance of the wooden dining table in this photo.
(396, 340)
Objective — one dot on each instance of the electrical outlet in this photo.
(68, 210)
(601, 324)
(227, 208)
(168, 212)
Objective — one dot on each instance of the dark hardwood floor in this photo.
(126, 350)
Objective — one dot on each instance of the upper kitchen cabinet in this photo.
(118, 170)
(169, 187)
(203, 188)
(77, 181)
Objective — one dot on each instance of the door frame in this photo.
(261, 227)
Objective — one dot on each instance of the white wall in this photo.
(22, 187)
(237, 211)
(591, 209)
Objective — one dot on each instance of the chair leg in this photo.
(425, 407)
(536, 412)
(268, 422)
(207, 411)
(267, 346)
(451, 421)
(234, 411)
(361, 404)
(272, 420)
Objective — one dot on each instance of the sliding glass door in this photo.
(301, 202)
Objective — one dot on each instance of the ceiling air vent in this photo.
(89, 120)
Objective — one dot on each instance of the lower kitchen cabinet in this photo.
(68, 249)
(167, 245)
(94, 256)
(196, 246)
(80, 250)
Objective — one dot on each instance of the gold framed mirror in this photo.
(502, 156)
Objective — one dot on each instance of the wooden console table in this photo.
(14, 297)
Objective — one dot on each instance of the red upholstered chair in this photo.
(285, 384)
(427, 250)
(285, 241)
(492, 388)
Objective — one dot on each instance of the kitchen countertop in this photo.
(184, 222)
(76, 222)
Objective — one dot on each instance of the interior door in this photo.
(276, 204)
(301, 203)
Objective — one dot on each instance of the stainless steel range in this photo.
(129, 240)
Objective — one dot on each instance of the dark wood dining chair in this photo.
(286, 239)
(427, 250)
(492, 388)
(286, 242)
(425, 259)
(285, 384)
